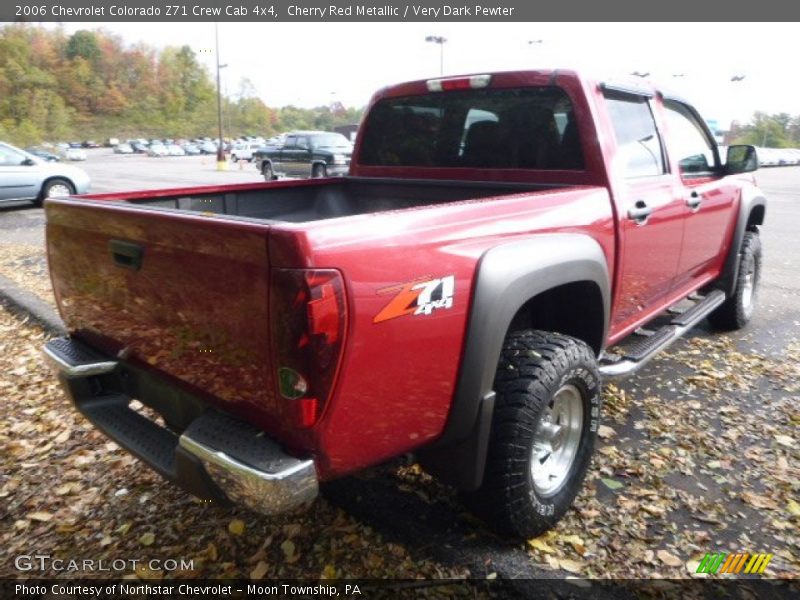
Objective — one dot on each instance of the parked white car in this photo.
(175, 150)
(24, 176)
(244, 151)
(76, 154)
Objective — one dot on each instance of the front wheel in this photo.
(737, 310)
(543, 433)
(266, 170)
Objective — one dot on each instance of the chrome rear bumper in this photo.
(216, 457)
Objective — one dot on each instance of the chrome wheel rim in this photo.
(749, 288)
(556, 441)
(58, 190)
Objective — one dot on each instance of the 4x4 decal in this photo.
(418, 297)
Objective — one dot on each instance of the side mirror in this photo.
(28, 162)
(741, 159)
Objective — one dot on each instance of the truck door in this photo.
(17, 179)
(284, 156)
(649, 206)
(707, 195)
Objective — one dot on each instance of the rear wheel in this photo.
(266, 170)
(319, 171)
(738, 309)
(543, 432)
(54, 188)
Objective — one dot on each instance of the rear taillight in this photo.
(308, 317)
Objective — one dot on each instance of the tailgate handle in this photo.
(126, 254)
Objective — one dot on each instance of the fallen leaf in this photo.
(236, 527)
(124, 528)
(759, 501)
(654, 509)
(288, 550)
(147, 539)
(573, 566)
(785, 440)
(605, 432)
(259, 571)
(329, 572)
(669, 559)
(541, 545)
(612, 484)
(42, 516)
(794, 508)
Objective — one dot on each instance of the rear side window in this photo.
(638, 142)
(522, 128)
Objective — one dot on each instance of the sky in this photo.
(310, 64)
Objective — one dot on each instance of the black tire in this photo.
(737, 310)
(50, 186)
(319, 171)
(233, 158)
(266, 170)
(534, 367)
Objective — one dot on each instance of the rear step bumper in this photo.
(216, 457)
(638, 354)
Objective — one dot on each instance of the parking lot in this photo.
(701, 449)
(123, 172)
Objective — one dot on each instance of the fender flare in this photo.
(508, 276)
(750, 201)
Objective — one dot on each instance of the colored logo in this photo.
(733, 564)
(418, 298)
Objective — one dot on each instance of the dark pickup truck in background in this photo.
(501, 243)
(306, 154)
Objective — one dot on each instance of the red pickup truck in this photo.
(501, 243)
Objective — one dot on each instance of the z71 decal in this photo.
(418, 298)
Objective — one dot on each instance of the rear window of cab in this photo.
(519, 128)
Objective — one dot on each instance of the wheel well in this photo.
(756, 217)
(574, 309)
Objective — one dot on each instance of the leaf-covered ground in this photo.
(699, 454)
(66, 490)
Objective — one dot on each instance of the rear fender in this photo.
(508, 276)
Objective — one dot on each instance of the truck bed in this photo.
(183, 282)
(306, 201)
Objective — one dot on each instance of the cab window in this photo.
(638, 142)
(687, 141)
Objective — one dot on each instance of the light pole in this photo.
(221, 164)
(438, 39)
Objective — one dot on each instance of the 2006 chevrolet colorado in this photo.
(499, 245)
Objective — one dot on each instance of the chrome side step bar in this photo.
(76, 360)
(635, 356)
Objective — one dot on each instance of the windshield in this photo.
(521, 128)
(334, 140)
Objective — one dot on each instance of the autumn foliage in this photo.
(90, 84)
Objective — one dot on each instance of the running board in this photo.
(634, 356)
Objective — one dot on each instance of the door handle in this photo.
(639, 212)
(694, 200)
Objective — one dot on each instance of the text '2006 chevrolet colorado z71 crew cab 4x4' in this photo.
(460, 295)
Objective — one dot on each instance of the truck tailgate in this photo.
(184, 294)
